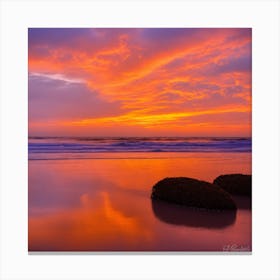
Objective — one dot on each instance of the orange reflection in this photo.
(95, 225)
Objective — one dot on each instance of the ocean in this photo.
(76, 147)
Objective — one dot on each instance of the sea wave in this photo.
(51, 145)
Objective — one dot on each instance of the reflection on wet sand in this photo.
(185, 216)
(95, 225)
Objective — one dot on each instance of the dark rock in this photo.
(238, 184)
(192, 193)
(191, 217)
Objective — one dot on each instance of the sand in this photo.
(104, 204)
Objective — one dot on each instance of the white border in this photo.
(17, 16)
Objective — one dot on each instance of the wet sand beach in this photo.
(104, 204)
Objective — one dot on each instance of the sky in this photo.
(139, 81)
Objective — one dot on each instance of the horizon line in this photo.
(90, 136)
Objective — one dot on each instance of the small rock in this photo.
(192, 193)
(238, 184)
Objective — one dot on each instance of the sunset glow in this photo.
(140, 82)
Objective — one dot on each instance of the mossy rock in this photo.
(238, 184)
(192, 193)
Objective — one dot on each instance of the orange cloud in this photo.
(157, 76)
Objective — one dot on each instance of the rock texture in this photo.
(192, 193)
(238, 184)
